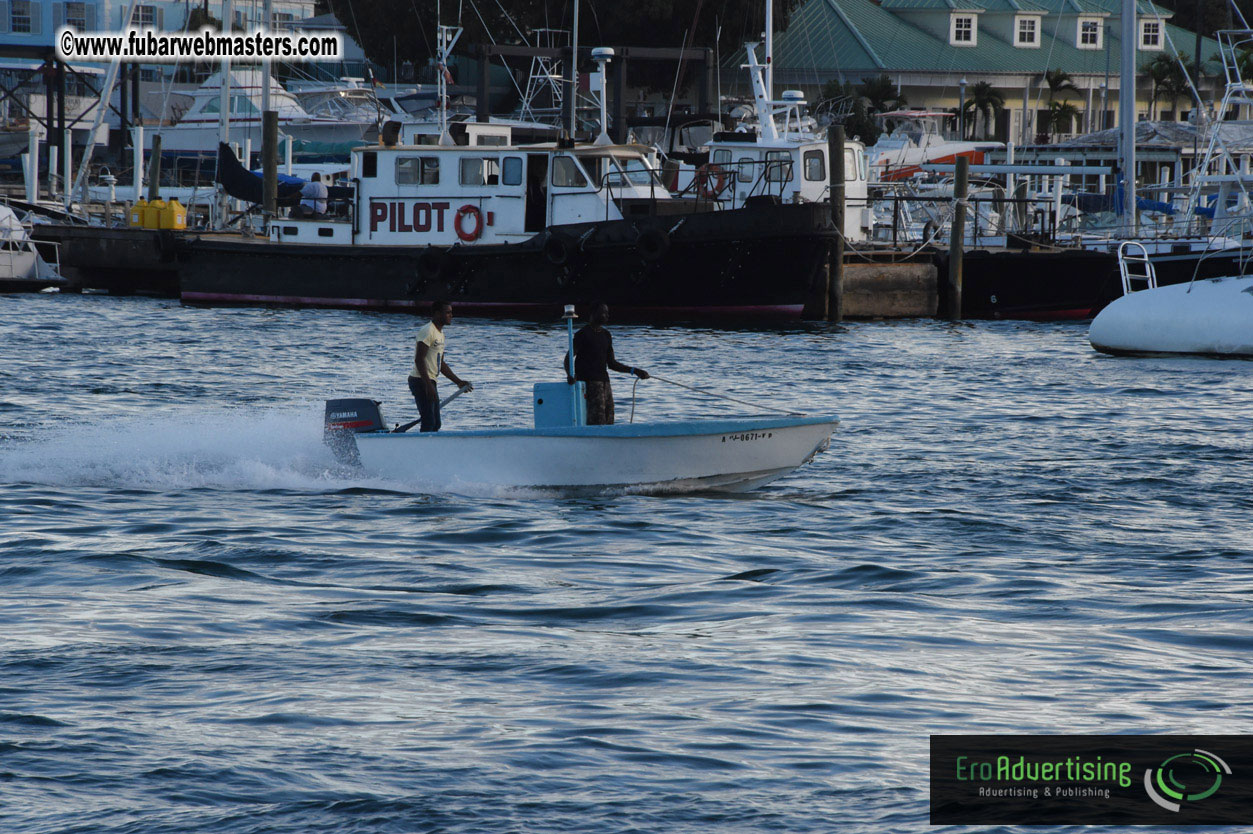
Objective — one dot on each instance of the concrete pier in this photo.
(886, 290)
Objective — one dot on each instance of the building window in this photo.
(1150, 34)
(76, 16)
(1026, 34)
(144, 16)
(20, 19)
(1090, 34)
(963, 30)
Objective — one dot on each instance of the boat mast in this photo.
(574, 72)
(267, 15)
(224, 108)
(446, 38)
(769, 50)
(1127, 111)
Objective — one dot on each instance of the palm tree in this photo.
(1169, 74)
(984, 100)
(1060, 118)
(881, 94)
(1059, 81)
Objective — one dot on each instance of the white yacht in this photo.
(197, 129)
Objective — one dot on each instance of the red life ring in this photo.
(477, 230)
(710, 180)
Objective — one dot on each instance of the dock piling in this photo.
(154, 169)
(835, 261)
(269, 163)
(957, 239)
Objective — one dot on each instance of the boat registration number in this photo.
(747, 435)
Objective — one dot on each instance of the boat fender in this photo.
(558, 249)
(653, 244)
(459, 224)
(710, 180)
(929, 230)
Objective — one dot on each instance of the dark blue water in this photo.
(206, 626)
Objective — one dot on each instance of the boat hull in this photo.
(745, 262)
(731, 455)
(1211, 317)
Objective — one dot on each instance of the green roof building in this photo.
(927, 47)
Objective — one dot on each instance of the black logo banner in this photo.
(1092, 780)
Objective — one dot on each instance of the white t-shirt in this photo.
(433, 338)
(313, 196)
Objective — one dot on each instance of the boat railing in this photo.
(1134, 266)
(713, 185)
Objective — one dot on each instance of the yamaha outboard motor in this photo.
(344, 418)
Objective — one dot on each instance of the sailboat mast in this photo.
(1127, 110)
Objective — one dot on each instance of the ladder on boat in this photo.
(1134, 265)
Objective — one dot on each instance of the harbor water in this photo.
(208, 626)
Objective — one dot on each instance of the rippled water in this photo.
(206, 626)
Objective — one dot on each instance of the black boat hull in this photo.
(764, 259)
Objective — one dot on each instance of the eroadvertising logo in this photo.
(1092, 780)
(1192, 776)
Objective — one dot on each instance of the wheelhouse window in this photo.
(1150, 34)
(1027, 32)
(1090, 34)
(478, 170)
(369, 164)
(417, 170)
(745, 166)
(816, 166)
(962, 30)
(720, 157)
(567, 173)
(635, 170)
(778, 166)
(512, 171)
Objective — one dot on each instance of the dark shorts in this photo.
(428, 406)
(599, 403)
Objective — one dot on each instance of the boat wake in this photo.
(230, 449)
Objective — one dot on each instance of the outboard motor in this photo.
(345, 418)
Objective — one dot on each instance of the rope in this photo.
(718, 396)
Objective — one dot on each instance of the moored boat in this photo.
(1211, 316)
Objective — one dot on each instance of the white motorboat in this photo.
(22, 268)
(197, 129)
(562, 453)
(1210, 316)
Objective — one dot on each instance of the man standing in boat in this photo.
(593, 357)
(428, 364)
